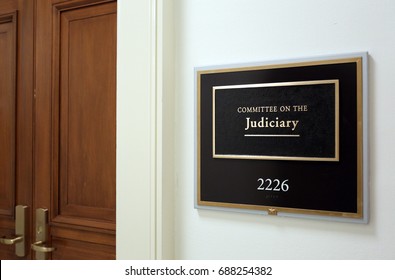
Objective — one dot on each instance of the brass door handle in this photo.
(11, 241)
(40, 247)
(42, 233)
(20, 232)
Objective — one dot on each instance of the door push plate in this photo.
(20, 229)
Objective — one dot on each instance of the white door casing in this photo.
(144, 80)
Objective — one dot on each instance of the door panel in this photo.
(7, 114)
(16, 115)
(7, 130)
(76, 125)
(87, 113)
(75, 250)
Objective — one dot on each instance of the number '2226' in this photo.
(272, 185)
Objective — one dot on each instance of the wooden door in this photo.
(58, 123)
(16, 115)
(75, 141)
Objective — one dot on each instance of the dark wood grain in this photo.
(58, 122)
(16, 114)
(76, 110)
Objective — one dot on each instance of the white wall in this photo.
(212, 32)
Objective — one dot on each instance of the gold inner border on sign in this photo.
(283, 84)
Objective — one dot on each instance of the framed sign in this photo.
(284, 138)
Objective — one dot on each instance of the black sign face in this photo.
(293, 121)
(284, 139)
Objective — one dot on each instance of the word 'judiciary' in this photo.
(265, 122)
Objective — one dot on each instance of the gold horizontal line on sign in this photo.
(271, 135)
